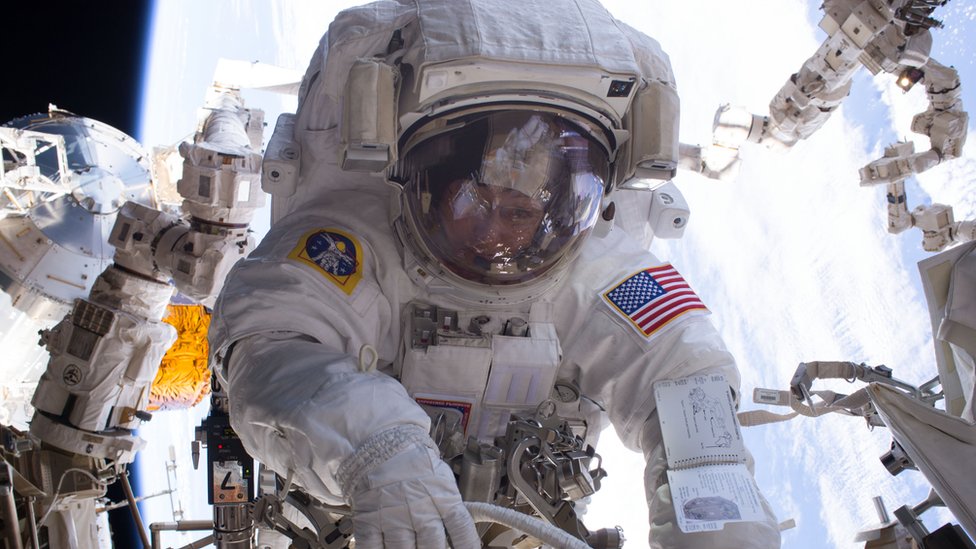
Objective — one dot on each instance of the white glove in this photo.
(408, 501)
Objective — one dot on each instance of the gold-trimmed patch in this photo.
(652, 298)
(334, 253)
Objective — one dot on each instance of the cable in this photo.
(57, 491)
(547, 533)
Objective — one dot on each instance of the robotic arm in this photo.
(892, 38)
(945, 123)
(221, 190)
(859, 32)
(105, 353)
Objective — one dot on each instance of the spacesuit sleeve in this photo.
(692, 348)
(664, 530)
(620, 361)
(288, 329)
(308, 411)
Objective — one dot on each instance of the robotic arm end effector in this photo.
(732, 127)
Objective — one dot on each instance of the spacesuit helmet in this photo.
(426, 93)
(502, 196)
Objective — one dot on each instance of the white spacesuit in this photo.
(482, 271)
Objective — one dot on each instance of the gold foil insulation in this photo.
(183, 379)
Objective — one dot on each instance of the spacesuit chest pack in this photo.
(472, 370)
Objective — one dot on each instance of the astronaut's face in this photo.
(500, 197)
(487, 223)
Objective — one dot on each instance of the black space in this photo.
(85, 57)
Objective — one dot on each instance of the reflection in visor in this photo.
(500, 198)
(488, 222)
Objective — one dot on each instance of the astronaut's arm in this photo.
(303, 408)
(348, 436)
(693, 348)
(664, 530)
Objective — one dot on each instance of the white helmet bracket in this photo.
(639, 116)
(369, 117)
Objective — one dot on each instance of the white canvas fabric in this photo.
(959, 325)
(940, 445)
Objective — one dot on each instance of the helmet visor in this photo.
(502, 197)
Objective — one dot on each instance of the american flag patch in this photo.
(652, 298)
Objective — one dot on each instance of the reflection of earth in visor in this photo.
(332, 252)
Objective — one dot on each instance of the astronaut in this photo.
(485, 267)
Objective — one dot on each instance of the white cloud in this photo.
(796, 264)
(621, 500)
